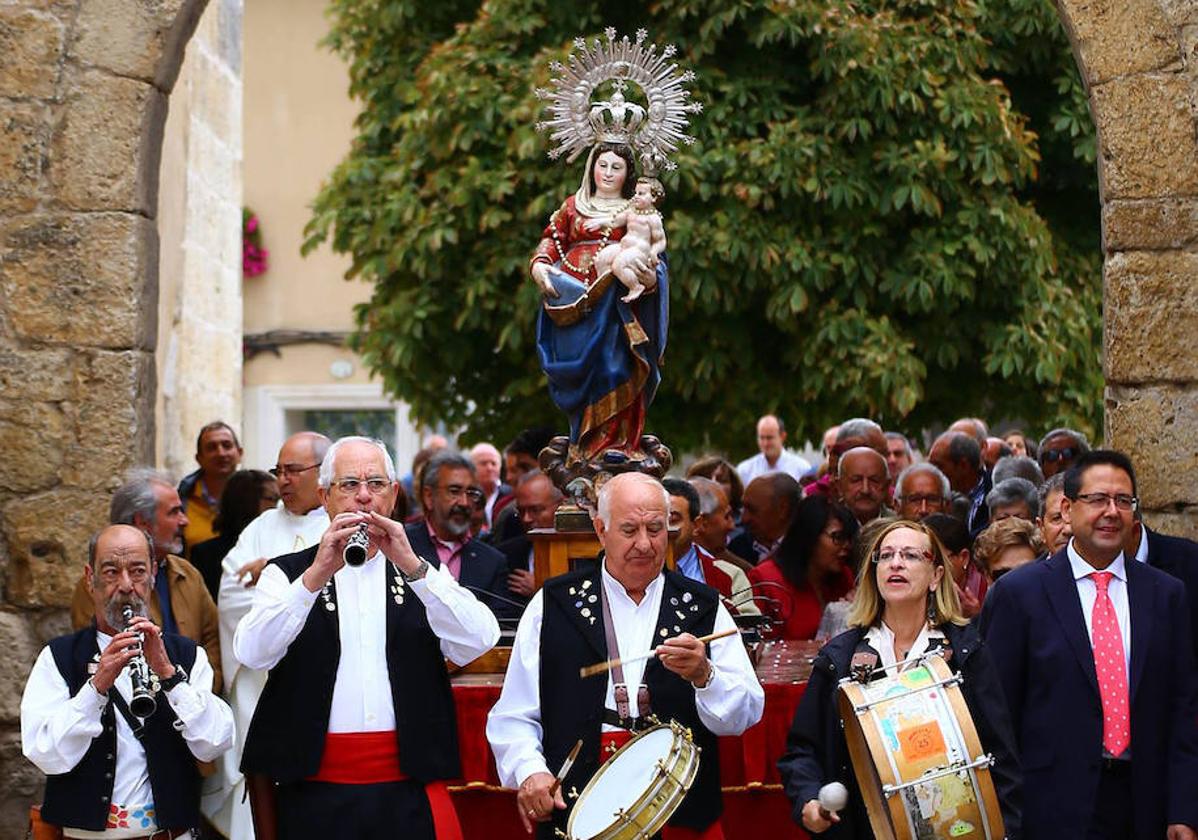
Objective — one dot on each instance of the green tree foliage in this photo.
(890, 211)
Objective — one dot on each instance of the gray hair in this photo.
(861, 450)
(532, 475)
(857, 427)
(609, 487)
(136, 496)
(444, 459)
(1082, 443)
(1012, 491)
(95, 540)
(326, 463)
(905, 441)
(1017, 466)
(923, 467)
(1056, 484)
(709, 494)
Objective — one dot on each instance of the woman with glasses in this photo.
(809, 570)
(904, 606)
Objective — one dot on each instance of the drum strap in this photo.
(619, 687)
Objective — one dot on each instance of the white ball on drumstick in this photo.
(833, 797)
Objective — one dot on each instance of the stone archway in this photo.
(83, 94)
(1140, 65)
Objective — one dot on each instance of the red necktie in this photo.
(1111, 668)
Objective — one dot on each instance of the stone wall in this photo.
(83, 94)
(1140, 64)
(199, 227)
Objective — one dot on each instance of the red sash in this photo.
(716, 577)
(367, 758)
(609, 742)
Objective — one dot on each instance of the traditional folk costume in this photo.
(730, 580)
(579, 619)
(356, 723)
(110, 774)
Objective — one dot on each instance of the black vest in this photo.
(80, 798)
(286, 736)
(572, 708)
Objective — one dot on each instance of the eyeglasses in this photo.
(474, 495)
(284, 470)
(1051, 456)
(1099, 501)
(838, 537)
(350, 486)
(908, 555)
(916, 499)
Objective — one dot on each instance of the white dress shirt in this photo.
(793, 465)
(731, 703)
(57, 729)
(881, 638)
(1087, 591)
(362, 691)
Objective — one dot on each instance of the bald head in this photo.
(771, 435)
(959, 456)
(298, 471)
(972, 426)
(119, 573)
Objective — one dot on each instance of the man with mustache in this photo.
(450, 495)
(864, 482)
(179, 600)
(110, 773)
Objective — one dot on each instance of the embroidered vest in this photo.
(286, 736)
(572, 708)
(81, 798)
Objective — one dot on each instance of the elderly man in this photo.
(959, 456)
(545, 707)
(450, 495)
(772, 456)
(486, 469)
(356, 724)
(920, 491)
(298, 524)
(898, 453)
(863, 483)
(851, 434)
(537, 499)
(1059, 449)
(179, 599)
(111, 773)
(218, 453)
(1014, 497)
(1054, 527)
(697, 562)
(768, 505)
(1017, 466)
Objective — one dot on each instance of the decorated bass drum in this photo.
(916, 754)
(637, 789)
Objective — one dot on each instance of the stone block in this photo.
(112, 404)
(22, 144)
(23, 645)
(126, 38)
(1146, 137)
(35, 374)
(1149, 224)
(30, 52)
(105, 149)
(1115, 38)
(1182, 523)
(1158, 426)
(20, 784)
(83, 279)
(33, 437)
(1151, 316)
(47, 537)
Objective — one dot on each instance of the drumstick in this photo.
(566, 765)
(604, 667)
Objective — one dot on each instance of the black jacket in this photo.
(1178, 557)
(816, 751)
(484, 570)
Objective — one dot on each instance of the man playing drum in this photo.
(624, 608)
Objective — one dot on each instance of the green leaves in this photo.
(890, 210)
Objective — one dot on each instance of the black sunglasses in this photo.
(1053, 455)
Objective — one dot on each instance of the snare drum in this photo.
(917, 756)
(637, 789)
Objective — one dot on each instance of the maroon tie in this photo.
(1111, 668)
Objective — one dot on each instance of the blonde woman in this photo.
(904, 606)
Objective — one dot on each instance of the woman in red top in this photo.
(809, 570)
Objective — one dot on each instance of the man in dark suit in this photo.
(1095, 657)
(1175, 555)
(449, 496)
(536, 502)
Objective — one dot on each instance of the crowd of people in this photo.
(316, 690)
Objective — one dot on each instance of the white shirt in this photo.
(57, 729)
(793, 465)
(362, 690)
(1142, 548)
(1087, 591)
(881, 638)
(731, 703)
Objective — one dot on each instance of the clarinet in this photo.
(143, 703)
(355, 547)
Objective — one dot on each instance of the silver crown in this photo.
(578, 123)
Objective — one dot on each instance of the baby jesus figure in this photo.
(633, 260)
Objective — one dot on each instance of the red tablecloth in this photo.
(754, 805)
